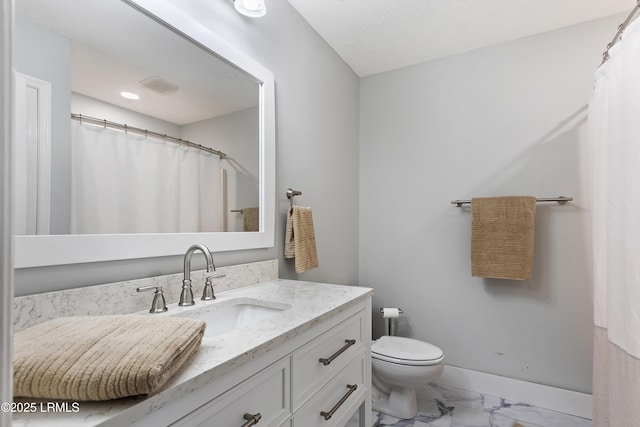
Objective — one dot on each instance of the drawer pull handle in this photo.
(328, 415)
(348, 344)
(251, 419)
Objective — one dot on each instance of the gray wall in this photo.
(504, 120)
(316, 144)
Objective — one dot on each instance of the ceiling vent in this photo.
(159, 85)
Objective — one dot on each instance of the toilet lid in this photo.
(406, 351)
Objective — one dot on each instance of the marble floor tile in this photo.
(541, 416)
(444, 406)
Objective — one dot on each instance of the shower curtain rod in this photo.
(102, 122)
(632, 16)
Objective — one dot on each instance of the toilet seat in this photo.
(406, 351)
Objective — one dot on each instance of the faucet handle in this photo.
(159, 304)
(207, 292)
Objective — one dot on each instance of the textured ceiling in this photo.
(374, 36)
(114, 47)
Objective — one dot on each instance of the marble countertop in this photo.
(310, 303)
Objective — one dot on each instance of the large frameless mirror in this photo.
(138, 132)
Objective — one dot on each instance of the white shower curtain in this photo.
(122, 182)
(614, 135)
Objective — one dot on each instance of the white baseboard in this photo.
(542, 396)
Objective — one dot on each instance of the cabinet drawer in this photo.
(337, 347)
(338, 395)
(267, 393)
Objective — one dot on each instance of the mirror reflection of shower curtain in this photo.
(128, 183)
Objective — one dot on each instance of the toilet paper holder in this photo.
(391, 319)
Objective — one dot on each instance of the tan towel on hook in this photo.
(502, 237)
(300, 239)
(88, 358)
(250, 219)
(289, 244)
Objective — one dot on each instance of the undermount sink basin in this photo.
(230, 315)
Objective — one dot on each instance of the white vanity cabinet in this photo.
(306, 365)
(337, 400)
(319, 378)
(264, 398)
(323, 357)
(331, 372)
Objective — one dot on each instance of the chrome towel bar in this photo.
(560, 199)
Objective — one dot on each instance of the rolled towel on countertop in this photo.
(90, 358)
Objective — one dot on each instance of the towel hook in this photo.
(290, 194)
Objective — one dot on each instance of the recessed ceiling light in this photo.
(129, 95)
(251, 8)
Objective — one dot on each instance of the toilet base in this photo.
(401, 402)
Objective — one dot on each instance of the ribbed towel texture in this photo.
(250, 219)
(300, 239)
(502, 237)
(87, 358)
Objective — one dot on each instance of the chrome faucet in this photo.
(186, 295)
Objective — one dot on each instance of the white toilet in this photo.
(399, 365)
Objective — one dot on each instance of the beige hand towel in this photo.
(289, 243)
(502, 237)
(250, 219)
(300, 239)
(87, 358)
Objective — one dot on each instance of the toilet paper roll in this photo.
(390, 312)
